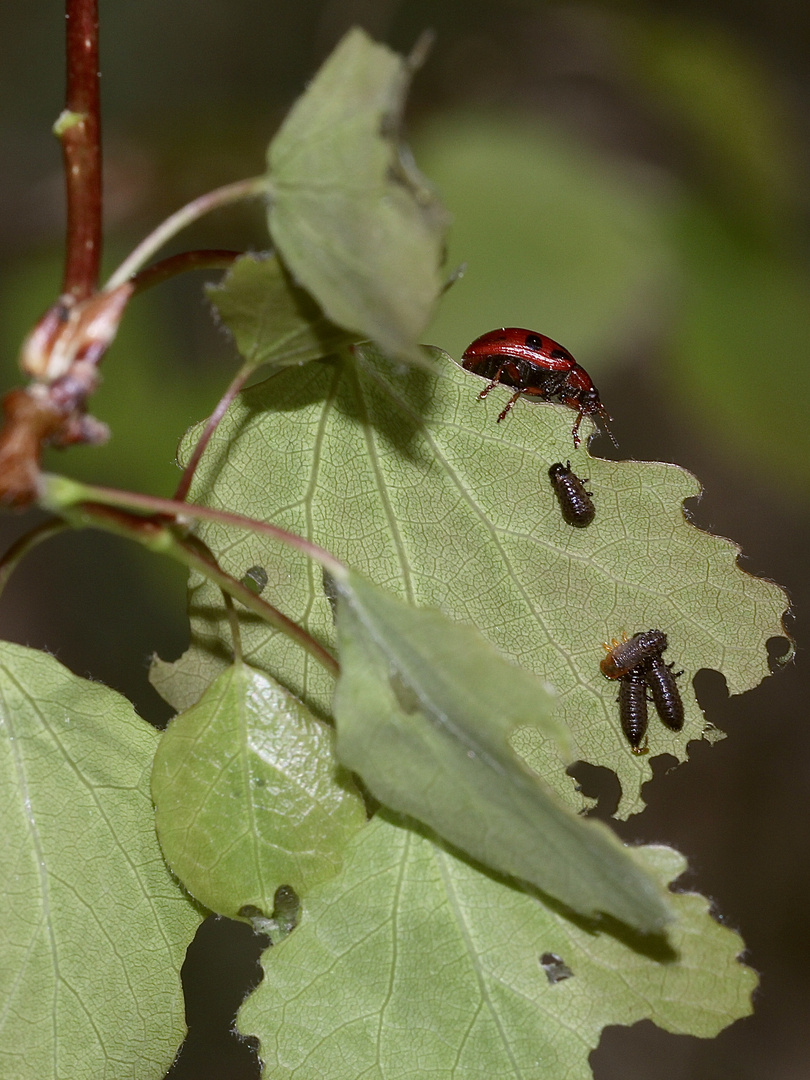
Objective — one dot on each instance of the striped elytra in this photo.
(576, 503)
(623, 656)
(536, 367)
(667, 698)
(633, 708)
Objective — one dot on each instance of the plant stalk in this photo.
(172, 265)
(211, 424)
(19, 549)
(162, 537)
(180, 219)
(61, 494)
(79, 131)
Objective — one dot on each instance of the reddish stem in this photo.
(255, 187)
(211, 424)
(79, 130)
(213, 259)
(198, 557)
(160, 536)
(12, 557)
(60, 494)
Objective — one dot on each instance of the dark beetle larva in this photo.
(623, 656)
(575, 502)
(666, 695)
(633, 708)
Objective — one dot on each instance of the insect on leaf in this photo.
(406, 477)
(424, 710)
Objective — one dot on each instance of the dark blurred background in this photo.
(630, 178)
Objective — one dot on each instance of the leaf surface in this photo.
(424, 712)
(412, 963)
(272, 319)
(408, 479)
(351, 215)
(249, 795)
(95, 928)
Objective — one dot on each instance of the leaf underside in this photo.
(424, 710)
(412, 963)
(273, 320)
(406, 477)
(95, 928)
(357, 224)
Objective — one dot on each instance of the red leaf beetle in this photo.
(535, 366)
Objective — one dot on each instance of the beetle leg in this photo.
(507, 365)
(509, 404)
(575, 429)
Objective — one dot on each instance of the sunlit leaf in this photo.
(95, 928)
(350, 214)
(408, 479)
(425, 709)
(249, 796)
(413, 964)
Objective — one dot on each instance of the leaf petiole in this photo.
(86, 506)
(253, 187)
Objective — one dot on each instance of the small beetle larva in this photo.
(575, 502)
(623, 656)
(633, 708)
(667, 698)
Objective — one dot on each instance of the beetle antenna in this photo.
(604, 416)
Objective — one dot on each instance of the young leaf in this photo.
(406, 477)
(249, 796)
(273, 321)
(412, 964)
(94, 926)
(424, 712)
(350, 214)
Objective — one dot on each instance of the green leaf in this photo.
(272, 320)
(183, 682)
(349, 212)
(249, 796)
(407, 478)
(424, 711)
(413, 964)
(95, 929)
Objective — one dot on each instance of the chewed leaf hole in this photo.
(555, 968)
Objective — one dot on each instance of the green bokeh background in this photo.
(626, 176)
